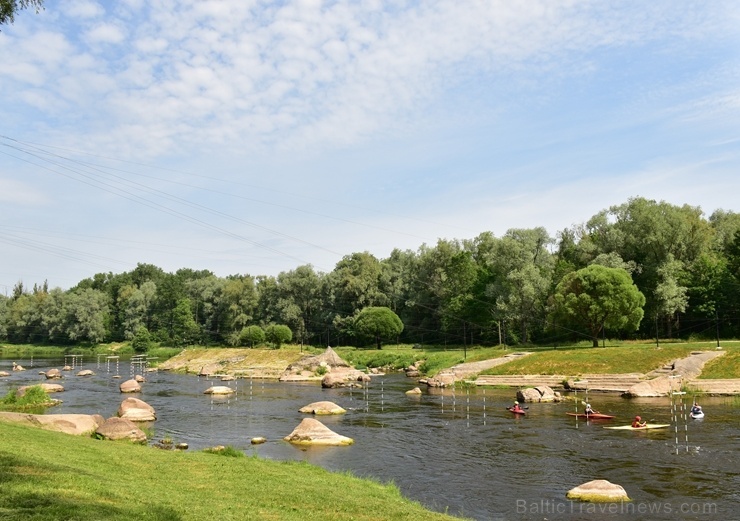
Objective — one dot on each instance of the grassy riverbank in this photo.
(48, 475)
(568, 360)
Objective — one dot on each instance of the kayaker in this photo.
(515, 407)
(589, 410)
(637, 423)
(696, 409)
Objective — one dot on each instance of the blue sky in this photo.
(252, 137)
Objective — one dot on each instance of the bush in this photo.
(33, 400)
(252, 336)
(142, 340)
(225, 451)
(278, 335)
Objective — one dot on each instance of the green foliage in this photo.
(378, 323)
(253, 336)
(142, 340)
(278, 334)
(227, 451)
(184, 328)
(33, 400)
(480, 291)
(9, 8)
(597, 297)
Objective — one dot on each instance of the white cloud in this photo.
(83, 9)
(17, 193)
(105, 33)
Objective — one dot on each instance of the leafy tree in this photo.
(299, 299)
(647, 232)
(4, 315)
(207, 295)
(356, 283)
(278, 334)
(378, 323)
(520, 268)
(596, 298)
(184, 328)
(142, 339)
(9, 8)
(671, 297)
(252, 335)
(87, 312)
(136, 304)
(239, 302)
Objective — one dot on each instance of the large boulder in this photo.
(85, 372)
(598, 491)
(219, 389)
(130, 386)
(323, 408)
(343, 378)
(136, 410)
(52, 374)
(120, 429)
(4, 373)
(77, 424)
(540, 394)
(312, 432)
(660, 386)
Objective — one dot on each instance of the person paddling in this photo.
(589, 410)
(516, 408)
(696, 409)
(637, 423)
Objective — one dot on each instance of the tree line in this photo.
(642, 269)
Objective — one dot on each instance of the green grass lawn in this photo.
(635, 358)
(726, 366)
(47, 476)
(433, 358)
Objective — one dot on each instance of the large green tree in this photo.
(597, 298)
(378, 323)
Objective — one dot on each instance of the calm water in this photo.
(459, 452)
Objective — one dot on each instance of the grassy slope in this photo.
(612, 360)
(726, 366)
(47, 475)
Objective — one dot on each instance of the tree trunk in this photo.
(596, 341)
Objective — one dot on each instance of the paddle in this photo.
(525, 408)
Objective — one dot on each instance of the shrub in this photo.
(33, 400)
(225, 451)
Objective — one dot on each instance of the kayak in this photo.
(697, 415)
(594, 416)
(516, 412)
(648, 426)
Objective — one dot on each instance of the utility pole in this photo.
(716, 320)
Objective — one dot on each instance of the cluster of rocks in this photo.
(120, 427)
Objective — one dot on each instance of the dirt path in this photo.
(467, 369)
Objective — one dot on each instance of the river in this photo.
(459, 451)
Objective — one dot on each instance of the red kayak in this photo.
(520, 411)
(593, 416)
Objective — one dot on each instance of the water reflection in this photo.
(459, 452)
